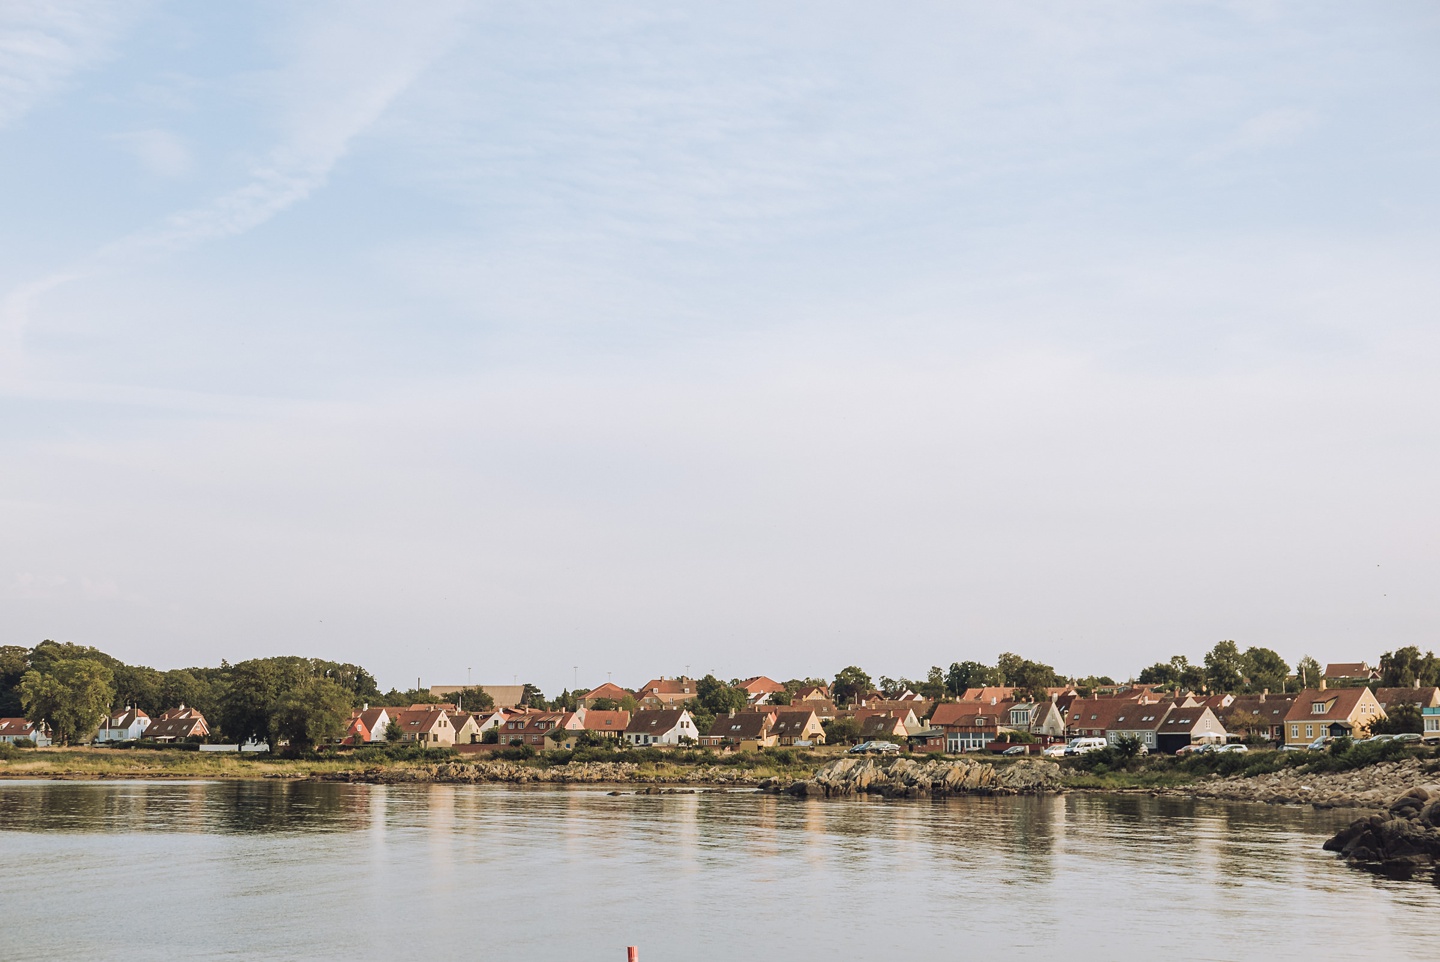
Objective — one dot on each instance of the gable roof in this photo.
(125, 718)
(654, 720)
(668, 686)
(742, 724)
(1407, 696)
(791, 724)
(760, 685)
(1347, 669)
(990, 694)
(607, 690)
(607, 721)
(1272, 708)
(18, 727)
(953, 712)
(1340, 703)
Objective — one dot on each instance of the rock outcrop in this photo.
(908, 778)
(1405, 835)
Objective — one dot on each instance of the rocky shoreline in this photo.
(1368, 787)
(1406, 835)
(512, 773)
(908, 778)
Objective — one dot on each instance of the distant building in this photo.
(14, 729)
(127, 726)
(664, 726)
(1333, 712)
(666, 692)
(177, 725)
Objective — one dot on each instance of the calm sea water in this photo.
(277, 870)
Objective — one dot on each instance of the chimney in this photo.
(1322, 683)
(1263, 693)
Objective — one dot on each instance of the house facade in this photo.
(177, 725)
(430, 727)
(798, 727)
(1196, 724)
(1430, 716)
(1331, 712)
(608, 690)
(744, 730)
(662, 726)
(14, 729)
(666, 692)
(127, 726)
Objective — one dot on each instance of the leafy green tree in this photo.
(315, 711)
(850, 683)
(605, 704)
(1176, 673)
(71, 696)
(1224, 668)
(717, 698)
(393, 733)
(46, 655)
(1405, 667)
(183, 686)
(1031, 676)
(1309, 672)
(701, 715)
(841, 731)
(402, 698)
(474, 698)
(137, 686)
(254, 691)
(967, 674)
(14, 662)
(1401, 718)
(1126, 746)
(933, 687)
(532, 697)
(489, 736)
(1264, 669)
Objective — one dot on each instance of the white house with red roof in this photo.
(14, 729)
(664, 726)
(126, 726)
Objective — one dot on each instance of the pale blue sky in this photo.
(635, 337)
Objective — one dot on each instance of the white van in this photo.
(1079, 746)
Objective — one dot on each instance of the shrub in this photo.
(24, 743)
(8, 750)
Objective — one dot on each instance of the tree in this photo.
(1224, 668)
(1255, 727)
(1264, 669)
(249, 699)
(1308, 670)
(933, 687)
(532, 697)
(841, 731)
(604, 704)
(182, 686)
(393, 733)
(14, 662)
(139, 687)
(474, 698)
(850, 684)
(1401, 718)
(1031, 676)
(71, 697)
(717, 698)
(701, 715)
(490, 736)
(1126, 746)
(967, 674)
(1405, 667)
(311, 713)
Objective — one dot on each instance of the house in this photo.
(759, 689)
(127, 726)
(366, 725)
(824, 710)
(1047, 719)
(14, 729)
(427, 726)
(608, 724)
(1189, 726)
(1333, 712)
(467, 729)
(798, 727)
(883, 726)
(1431, 717)
(504, 696)
(1415, 695)
(906, 717)
(745, 730)
(608, 690)
(971, 733)
(177, 725)
(1260, 716)
(1142, 721)
(930, 740)
(661, 726)
(812, 693)
(531, 728)
(1344, 674)
(666, 692)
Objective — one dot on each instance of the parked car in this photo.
(1320, 743)
(1409, 738)
(1016, 750)
(1191, 749)
(1054, 751)
(1232, 748)
(1079, 746)
(876, 748)
(1294, 748)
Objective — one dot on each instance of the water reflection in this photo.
(345, 871)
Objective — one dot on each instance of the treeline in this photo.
(290, 698)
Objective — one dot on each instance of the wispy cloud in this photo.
(163, 153)
(43, 44)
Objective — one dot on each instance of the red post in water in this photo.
(632, 954)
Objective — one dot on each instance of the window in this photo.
(1309, 731)
(1294, 731)
(1317, 708)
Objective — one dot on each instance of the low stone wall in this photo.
(1369, 787)
(908, 778)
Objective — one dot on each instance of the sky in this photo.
(575, 342)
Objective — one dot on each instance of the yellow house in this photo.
(1332, 712)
